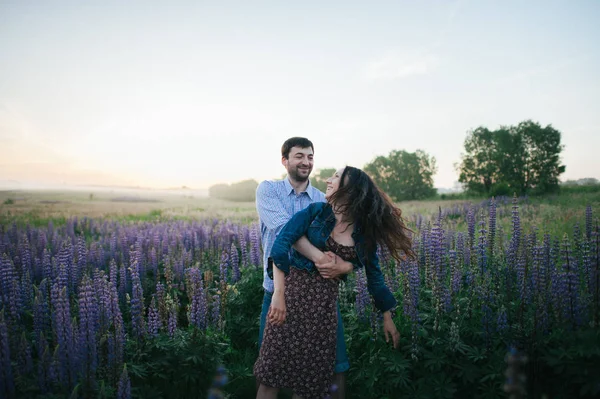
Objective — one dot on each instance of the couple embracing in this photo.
(310, 241)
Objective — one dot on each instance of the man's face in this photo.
(299, 163)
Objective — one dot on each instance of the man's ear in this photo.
(284, 161)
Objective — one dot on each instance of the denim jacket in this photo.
(317, 222)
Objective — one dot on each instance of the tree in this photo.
(542, 151)
(404, 175)
(522, 159)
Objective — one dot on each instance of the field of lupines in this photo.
(100, 308)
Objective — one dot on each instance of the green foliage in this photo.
(522, 159)
(404, 175)
(241, 326)
(243, 191)
(179, 367)
(9, 201)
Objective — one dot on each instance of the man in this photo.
(276, 203)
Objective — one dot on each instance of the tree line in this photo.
(522, 159)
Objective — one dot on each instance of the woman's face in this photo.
(333, 183)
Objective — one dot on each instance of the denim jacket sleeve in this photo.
(295, 228)
(384, 299)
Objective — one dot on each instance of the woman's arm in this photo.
(277, 310)
(384, 299)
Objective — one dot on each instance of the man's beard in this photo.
(294, 174)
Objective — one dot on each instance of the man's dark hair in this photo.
(295, 142)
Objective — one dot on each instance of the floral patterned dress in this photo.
(300, 354)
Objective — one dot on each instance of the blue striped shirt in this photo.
(276, 203)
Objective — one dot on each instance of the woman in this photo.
(300, 353)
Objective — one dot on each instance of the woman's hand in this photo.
(390, 330)
(277, 310)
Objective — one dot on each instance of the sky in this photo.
(171, 94)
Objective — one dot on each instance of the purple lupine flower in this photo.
(102, 294)
(154, 260)
(197, 313)
(492, 226)
(534, 275)
(502, 321)
(47, 265)
(515, 241)
(172, 323)
(588, 222)
(116, 338)
(235, 263)
(9, 287)
(137, 304)
(154, 324)
(122, 282)
(41, 310)
(44, 365)
(374, 323)
(25, 253)
(81, 257)
(168, 271)
(124, 386)
(163, 309)
(26, 289)
(63, 330)
(215, 314)
(224, 268)
(139, 254)
(577, 237)
(522, 278)
(482, 248)
(7, 384)
(588, 271)
(456, 272)
(362, 301)
(569, 283)
(24, 359)
(471, 226)
(113, 272)
(65, 263)
(411, 290)
(244, 249)
(88, 326)
(113, 245)
(255, 246)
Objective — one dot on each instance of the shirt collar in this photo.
(289, 189)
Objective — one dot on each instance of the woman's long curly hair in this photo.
(363, 204)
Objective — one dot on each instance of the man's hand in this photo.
(332, 266)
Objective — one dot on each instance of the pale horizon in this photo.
(190, 94)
